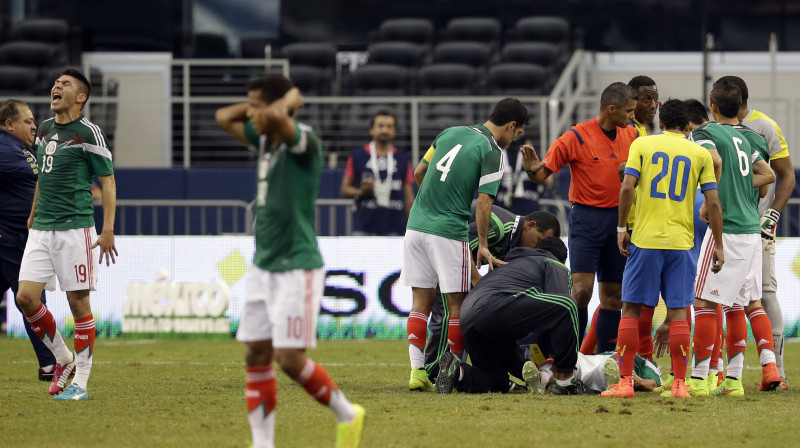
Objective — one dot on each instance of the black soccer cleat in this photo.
(449, 371)
(575, 388)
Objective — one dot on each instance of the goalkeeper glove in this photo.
(769, 224)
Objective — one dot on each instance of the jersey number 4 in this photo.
(663, 159)
(443, 165)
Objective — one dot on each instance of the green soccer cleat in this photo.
(611, 372)
(697, 387)
(348, 434)
(72, 392)
(419, 381)
(530, 373)
(666, 386)
(730, 388)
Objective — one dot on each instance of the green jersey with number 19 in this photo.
(739, 213)
(465, 159)
(70, 156)
(286, 195)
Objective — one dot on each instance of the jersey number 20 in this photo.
(663, 159)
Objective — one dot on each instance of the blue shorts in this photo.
(593, 243)
(653, 271)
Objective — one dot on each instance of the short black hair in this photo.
(555, 246)
(82, 80)
(738, 82)
(727, 97)
(10, 110)
(617, 94)
(641, 81)
(698, 114)
(272, 87)
(674, 114)
(545, 221)
(508, 110)
(382, 113)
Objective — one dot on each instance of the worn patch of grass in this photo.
(173, 393)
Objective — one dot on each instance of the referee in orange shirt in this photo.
(594, 150)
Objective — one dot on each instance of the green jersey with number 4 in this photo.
(70, 156)
(739, 213)
(286, 195)
(465, 159)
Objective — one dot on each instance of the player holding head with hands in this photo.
(285, 282)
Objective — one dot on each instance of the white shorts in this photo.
(282, 307)
(768, 281)
(430, 259)
(739, 281)
(66, 254)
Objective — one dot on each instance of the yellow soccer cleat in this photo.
(697, 387)
(348, 435)
(730, 388)
(666, 386)
(419, 381)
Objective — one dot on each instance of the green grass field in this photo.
(190, 393)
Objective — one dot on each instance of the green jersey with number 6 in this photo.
(70, 156)
(739, 212)
(465, 159)
(286, 195)
(758, 143)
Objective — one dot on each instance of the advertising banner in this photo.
(193, 286)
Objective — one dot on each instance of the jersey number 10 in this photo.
(663, 159)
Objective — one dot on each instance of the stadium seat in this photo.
(253, 46)
(475, 29)
(32, 54)
(380, 79)
(15, 80)
(542, 53)
(542, 29)
(314, 54)
(418, 31)
(447, 79)
(517, 78)
(53, 31)
(210, 45)
(406, 54)
(310, 80)
(475, 54)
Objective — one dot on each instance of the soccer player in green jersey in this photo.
(770, 208)
(739, 283)
(286, 280)
(63, 242)
(465, 159)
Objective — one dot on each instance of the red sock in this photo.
(627, 343)
(705, 325)
(736, 339)
(762, 329)
(417, 329)
(262, 388)
(590, 341)
(646, 332)
(42, 322)
(454, 338)
(316, 382)
(85, 334)
(717, 351)
(679, 347)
